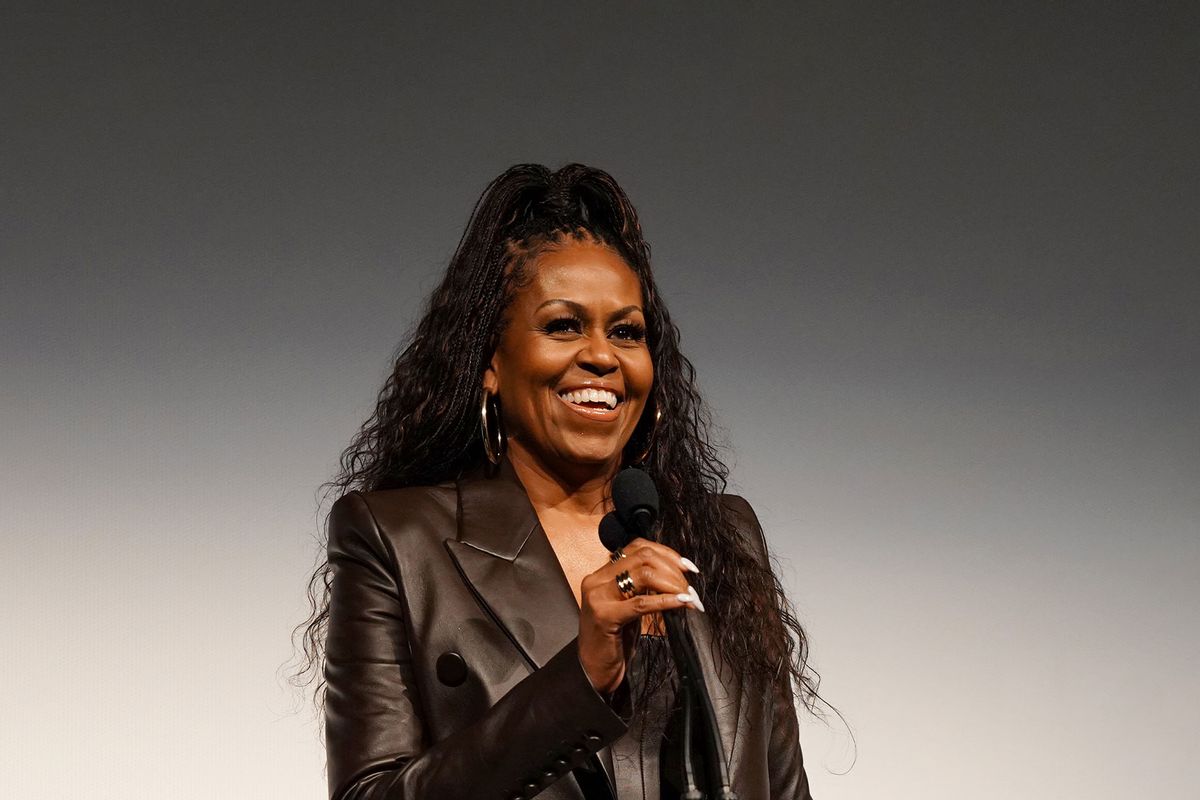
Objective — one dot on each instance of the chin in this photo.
(597, 455)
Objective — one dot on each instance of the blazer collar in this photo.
(495, 514)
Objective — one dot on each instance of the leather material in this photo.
(452, 667)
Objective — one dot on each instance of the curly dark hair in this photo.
(425, 427)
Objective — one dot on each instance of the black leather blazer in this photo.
(452, 669)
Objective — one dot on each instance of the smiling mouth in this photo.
(591, 398)
(592, 403)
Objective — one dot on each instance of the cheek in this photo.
(641, 373)
(543, 368)
(528, 364)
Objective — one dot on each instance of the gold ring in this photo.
(617, 555)
(625, 584)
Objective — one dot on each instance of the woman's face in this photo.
(572, 368)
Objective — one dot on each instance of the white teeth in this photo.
(591, 396)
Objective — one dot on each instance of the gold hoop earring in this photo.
(494, 442)
(642, 456)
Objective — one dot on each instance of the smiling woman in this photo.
(476, 638)
(572, 364)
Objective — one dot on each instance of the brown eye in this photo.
(629, 332)
(562, 325)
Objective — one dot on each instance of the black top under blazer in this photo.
(452, 669)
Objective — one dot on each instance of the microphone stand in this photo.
(694, 693)
(636, 501)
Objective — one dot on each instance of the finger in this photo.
(663, 575)
(622, 612)
(652, 573)
(642, 551)
(639, 544)
(649, 570)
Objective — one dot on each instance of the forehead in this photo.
(585, 273)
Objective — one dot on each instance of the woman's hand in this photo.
(606, 636)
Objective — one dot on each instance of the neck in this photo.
(584, 491)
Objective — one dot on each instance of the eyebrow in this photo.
(579, 310)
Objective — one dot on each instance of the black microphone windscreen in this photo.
(612, 533)
(633, 494)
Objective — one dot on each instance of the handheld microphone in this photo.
(613, 533)
(636, 499)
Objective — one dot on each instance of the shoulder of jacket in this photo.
(392, 513)
(742, 513)
(745, 521)
(391, 507)
(736, 503)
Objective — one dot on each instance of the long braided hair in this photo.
(424, 429)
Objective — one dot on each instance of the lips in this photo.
(591, 398)
(593, 403)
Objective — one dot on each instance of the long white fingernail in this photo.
(683, 597)
(695, 597)
(687, 564)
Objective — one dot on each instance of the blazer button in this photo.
(593, 741)
(451, 669)
(560, 765)
(532, 789)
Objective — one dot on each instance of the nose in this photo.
(597, 356)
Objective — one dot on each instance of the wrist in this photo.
(607, 683)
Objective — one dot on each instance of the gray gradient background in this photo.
(936, 267)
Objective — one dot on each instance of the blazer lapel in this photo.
(506, 558)
(504, 554)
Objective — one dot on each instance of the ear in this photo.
(491, 377)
